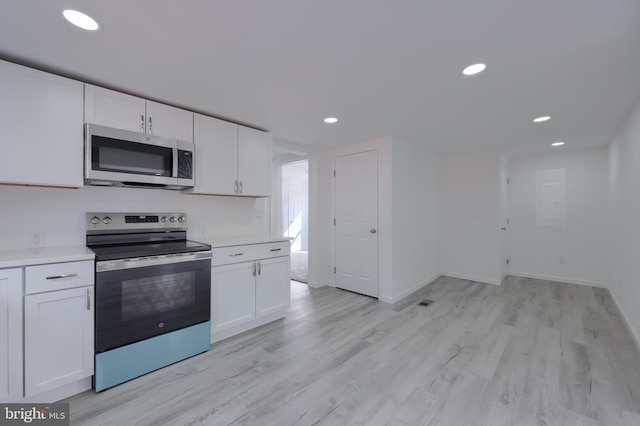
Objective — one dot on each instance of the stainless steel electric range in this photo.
(153, 290)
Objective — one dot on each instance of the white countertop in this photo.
(235, 240)
(39, 256)
(26, 257)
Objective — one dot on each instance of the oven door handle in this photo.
(141, 262)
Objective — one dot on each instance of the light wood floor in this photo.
(528, 352)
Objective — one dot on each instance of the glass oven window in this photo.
(148, 296)
(131, 157)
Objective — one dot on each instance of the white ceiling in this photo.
(383, 67)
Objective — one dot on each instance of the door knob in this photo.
(373, 230)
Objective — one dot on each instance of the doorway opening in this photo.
(295, 216)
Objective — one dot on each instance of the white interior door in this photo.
(504, 216)
(356, 227)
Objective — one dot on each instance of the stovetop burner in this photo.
(144, 250)
(133, 235)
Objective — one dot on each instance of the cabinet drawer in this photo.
(249, 252)
(281, 248)
(58, 276)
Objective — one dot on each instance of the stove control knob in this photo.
(163, 219)
(95, 220)
(182, 219)
(173, 219)
(106, 220)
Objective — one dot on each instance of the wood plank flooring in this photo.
(529, 352)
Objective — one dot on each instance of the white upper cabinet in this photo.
(41, 126)
(231, 159)
(254, 162)
(168, 121)
(216, 155)
(114, 109)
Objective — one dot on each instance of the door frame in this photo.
(505, 200)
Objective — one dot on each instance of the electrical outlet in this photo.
(36, 239)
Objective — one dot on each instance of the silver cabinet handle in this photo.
(236, 186)
(503, 229)
(259, 268)
(241, 187)
(278, 249)
(142, 123)
(88, 300)
(150, 125)
(236, 254)
(254, 269)
(373, 230)
(58, 277)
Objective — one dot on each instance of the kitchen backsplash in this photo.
(58, 214)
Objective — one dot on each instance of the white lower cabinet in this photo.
(10, 335)
(273, 286)
(233, 291)
(249, 287)
(58, 327)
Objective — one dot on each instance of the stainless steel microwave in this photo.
(116, 157)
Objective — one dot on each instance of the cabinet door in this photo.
(10, 335)
(233, 297)
(41, 124)
(58, 338)
(216, 156)
(170, 122)
(254, 162)
(114, 109)
(272, 285)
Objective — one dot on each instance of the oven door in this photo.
(139, 299)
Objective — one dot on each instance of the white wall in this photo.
(60, 213)
(624, 219)
(469, 217)
(321, 231)
(535, 251)
(407, 217)
(414, 219)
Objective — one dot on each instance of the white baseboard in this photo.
(318, 284)
(472, 278)
(58, 394)
(407, 292)
(559, 279)
(636, 339)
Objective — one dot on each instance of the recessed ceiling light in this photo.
(474, 69)
(330, 120)
(541, 119)
(80, 20)
(557, 144)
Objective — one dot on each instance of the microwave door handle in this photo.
(176, 160)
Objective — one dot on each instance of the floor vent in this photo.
(425, 303)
